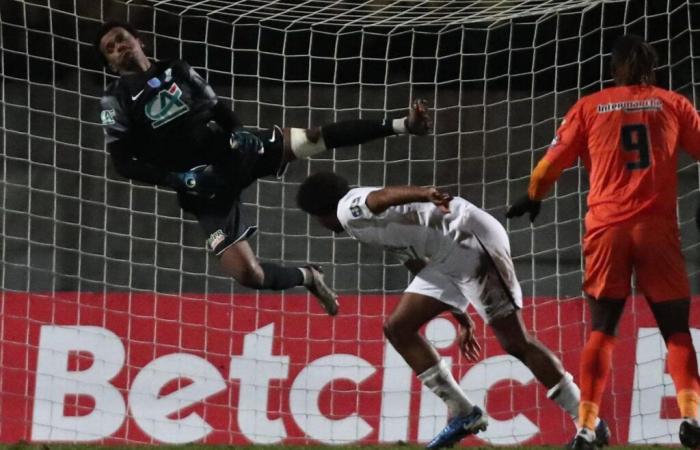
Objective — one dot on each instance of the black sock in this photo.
(355, 132)
(279, 278)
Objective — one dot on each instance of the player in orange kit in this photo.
(628, 138)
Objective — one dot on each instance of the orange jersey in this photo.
(628, 139)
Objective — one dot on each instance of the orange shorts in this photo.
(650, 246)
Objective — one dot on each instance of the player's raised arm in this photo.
(567, 145)
(383, 199)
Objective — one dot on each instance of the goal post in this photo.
(117, 326)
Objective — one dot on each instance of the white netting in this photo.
(499, 76)
(363, 13)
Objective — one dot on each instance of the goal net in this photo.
(116, 326)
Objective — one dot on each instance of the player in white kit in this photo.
(459, 254)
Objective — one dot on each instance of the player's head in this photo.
(633, 61)
(120, 47)
(319, 195)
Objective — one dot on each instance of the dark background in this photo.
(498, 89)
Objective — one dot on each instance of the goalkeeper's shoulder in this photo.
(112, 89)
(114, 94)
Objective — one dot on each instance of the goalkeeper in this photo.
(628, 138)
(459, 254)
(165, 126)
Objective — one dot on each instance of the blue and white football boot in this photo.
(460, 427)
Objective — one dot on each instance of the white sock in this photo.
(302, 147)
(440, 381)
(306, 273)
(567, 395)
(399, 125)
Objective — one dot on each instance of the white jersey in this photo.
(460, 247)
(410, 231)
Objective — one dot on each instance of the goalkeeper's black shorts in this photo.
(222, 217)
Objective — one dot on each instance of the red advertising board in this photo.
(143, 367)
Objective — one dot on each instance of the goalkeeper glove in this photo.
(522, 205)
(246, 142)
(200, 181)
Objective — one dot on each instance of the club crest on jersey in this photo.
(166, 106)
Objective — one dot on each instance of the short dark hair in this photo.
(105, 29)
(320, 193)
(639, 58)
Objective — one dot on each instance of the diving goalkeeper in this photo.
(165, 126)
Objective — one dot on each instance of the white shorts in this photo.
(478, 271)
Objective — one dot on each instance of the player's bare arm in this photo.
(383, 199)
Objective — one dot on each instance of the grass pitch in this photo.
(26, 446)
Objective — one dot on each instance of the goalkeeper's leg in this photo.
(224, 221)
(239, 261)
(300, 143)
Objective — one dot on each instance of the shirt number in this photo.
(636, 139)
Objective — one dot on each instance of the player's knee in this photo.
(672, 317)
(395, 332)
(390, 330)
(517, 348)
(605, 314)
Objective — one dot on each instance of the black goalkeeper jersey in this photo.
(163, 120)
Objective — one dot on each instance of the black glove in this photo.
(522, 205)
(246, 142)
(200, 181)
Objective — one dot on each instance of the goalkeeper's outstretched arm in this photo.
(136, 170)
(133, 169)
(567, 145)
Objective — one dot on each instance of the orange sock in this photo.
(596, 360)
(683, 367)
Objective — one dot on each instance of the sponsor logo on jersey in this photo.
(107, 117)
(647, 104)
(355, 209)
(215, 239)
(166, 106)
